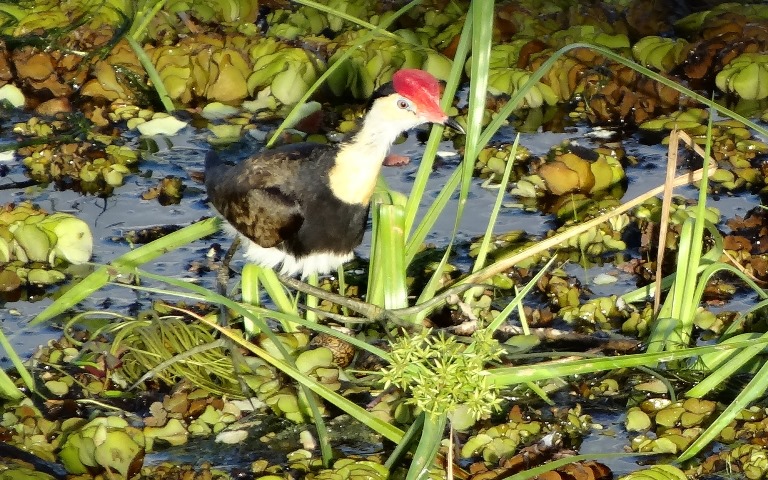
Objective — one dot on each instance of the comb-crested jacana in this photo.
(303, 208)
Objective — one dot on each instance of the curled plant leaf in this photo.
(351, 468)
(174, 65)
(590, 34)
(304, 21)
(161, 125)
(511, 80)
(637, 420)
(689, 120)
(32, 243)
(570, 172)
(30, 235)
(661, 53)
(752, 459)
(656, 472)
(229, 85)
(105, 444)
(12, 94)
(39, 276)
(120, 76)
(9, 281)
(746, 76)
(168, 192)
(74, 241)
(287, 72)
(491, 161)
(368, 68)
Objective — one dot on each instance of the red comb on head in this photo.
(420, 87)
(415, 84)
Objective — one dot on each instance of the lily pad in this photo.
(161, 126)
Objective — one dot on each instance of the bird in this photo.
(303, 208)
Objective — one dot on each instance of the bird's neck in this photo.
(353, 176)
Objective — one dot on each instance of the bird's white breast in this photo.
(288, 264)
(284, 262)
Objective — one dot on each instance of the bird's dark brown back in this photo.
(281, 197)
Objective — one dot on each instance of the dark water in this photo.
(182, 154)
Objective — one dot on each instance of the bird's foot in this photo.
(393, 160)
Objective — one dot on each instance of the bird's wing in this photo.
(259, 196)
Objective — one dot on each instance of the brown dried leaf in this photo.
(699, 62)
(559, 178)
(759, 266)
(737, 243)
(530, 48)
(32, 66)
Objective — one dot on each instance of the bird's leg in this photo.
(342, 287)
(312, 301)
(222, 276)
(222, 280)
(366, 309)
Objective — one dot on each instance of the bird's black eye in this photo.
(404, 104)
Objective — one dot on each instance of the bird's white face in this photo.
(403, 114)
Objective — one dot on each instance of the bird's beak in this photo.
(449, 122)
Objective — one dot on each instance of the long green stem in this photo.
(154, 76)
(296, 110)
(7, 388)
(426, 450)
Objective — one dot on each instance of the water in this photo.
(182, 155)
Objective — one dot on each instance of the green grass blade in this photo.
(426, 450)
(143, 17)
(250, 292)
(674, 325)
(754, 389)
(420, 234)
(542, 371)
(402, 446)
(481, 14)
(437, 207)
(481, 17)
(519, 296)
(690, 304)
(276, 292)
(154, 76)
(7, 388)
(483, 252)
(387, 268)
(710, 258)
(146, 253)
(389, 431)
(730, 364)
(430, 150)
(666, 333)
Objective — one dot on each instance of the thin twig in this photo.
(560, 238)
(368, 310)
(666, 206)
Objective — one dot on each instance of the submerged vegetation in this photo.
(484, 359)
